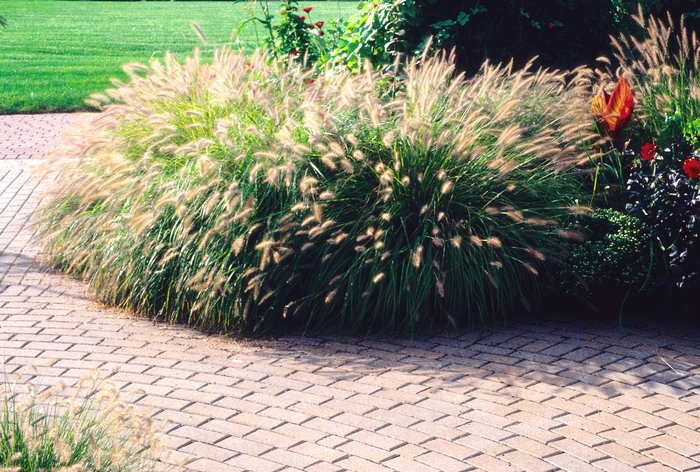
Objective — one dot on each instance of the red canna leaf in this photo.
(598, 109)
(618, 109)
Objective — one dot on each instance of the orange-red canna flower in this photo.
(613, 112)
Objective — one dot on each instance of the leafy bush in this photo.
(88, 431)
(615, 251)
(563, 33)
(240, 195)
(663, 192)
(296, 35)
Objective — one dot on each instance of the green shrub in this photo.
(243, 195)
(564, 33)
(90, 430)
(615, 251)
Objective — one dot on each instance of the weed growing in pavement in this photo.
(83, 428)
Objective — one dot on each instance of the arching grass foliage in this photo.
(244, 195)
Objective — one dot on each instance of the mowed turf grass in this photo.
(54, 54)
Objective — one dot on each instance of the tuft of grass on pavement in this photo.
(54, 54)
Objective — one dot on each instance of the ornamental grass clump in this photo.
(83, 428)
(244, 195)
(664, 71)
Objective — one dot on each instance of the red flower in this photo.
(302, 17)
(293, 52)
(648, 151)
(308, 9)
(319, 24)
(691, 167)
(550, 26)
(321, 33)
(309, 81)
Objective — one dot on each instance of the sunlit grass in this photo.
(243, 195)
(53, 54)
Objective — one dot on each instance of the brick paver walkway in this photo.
(536, 396)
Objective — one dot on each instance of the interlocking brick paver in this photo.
(319, 452)
(443, 463)
(624, 454)
(672, 459)
(527, 463)
(536, 396)
(570, 463)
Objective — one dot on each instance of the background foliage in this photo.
(563, 33)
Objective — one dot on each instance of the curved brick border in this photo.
(536, 396)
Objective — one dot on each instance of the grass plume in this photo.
(244, 195)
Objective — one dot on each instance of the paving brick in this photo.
(330, 427)
(405, 434)
(684, 434)
(526, 462)
(451, 449)
(576, 449)
(587, 423)
(376, 440)
(671, 459)
(333, 441)
(443, 463)
(197, 434)
(533, 432)
(403, 464)
(570, 463)
(683, 419)
(486, 462)
(208, 451)
(624, 454)
(579, 435)
(301, 432)
(246, 462)
(319, 452)
(437, 430)
(271, 438)
(613, 465)
(324, 467)
(208, 465)
(656, 467)
(494, 408)
(488, 432)
(629, 441)
(181, 418)
(486, 418)
(531, 447)
(285, 457)
(365, 451)
(163, 402)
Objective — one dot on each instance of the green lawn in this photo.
(53, 54)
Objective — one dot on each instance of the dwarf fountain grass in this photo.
(664, 71)
(85, 427)
(246, 195)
